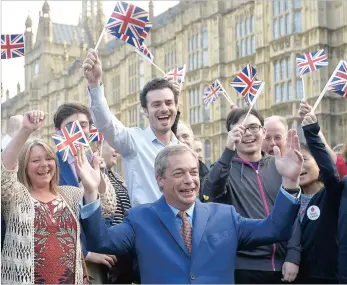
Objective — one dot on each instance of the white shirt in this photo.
(138, 148)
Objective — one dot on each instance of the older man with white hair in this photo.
(276, 134)
(184, 134)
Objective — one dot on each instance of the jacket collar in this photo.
(168, 218)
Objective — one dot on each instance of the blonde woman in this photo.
(42, 242)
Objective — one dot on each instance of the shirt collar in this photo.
(190, 211)
(153, 138)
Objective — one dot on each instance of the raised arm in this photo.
(32, 121)
(216, 186)
(305, 108)
(318, 150)
(118, 239)
(115, 133)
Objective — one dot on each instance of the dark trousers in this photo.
(257, 277)
(308, 280)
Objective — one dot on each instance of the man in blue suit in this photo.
(177, 239)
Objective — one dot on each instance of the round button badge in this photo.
(313, 213)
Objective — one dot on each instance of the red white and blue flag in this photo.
(66, 139)
(247, 84)
(146, 30)
(12, 46)
(143, 50)
(311, 61)
(130, 40)
(95, 135)
(127, 19)
(212, 92)
(176, 74)
(338, 81)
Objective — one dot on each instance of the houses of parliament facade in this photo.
(215, 39)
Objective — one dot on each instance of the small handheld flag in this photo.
(12, 46)
(247, 84)
(95, 135)
(129, 20)
(176, 74)
(67, 139)
(311, 61)
(212, 92)
(338, 81)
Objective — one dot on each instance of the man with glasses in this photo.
(247, 178)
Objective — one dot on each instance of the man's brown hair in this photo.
(157, 84)
(66, 110)
(236, 114)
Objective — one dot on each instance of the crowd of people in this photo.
(270, 210)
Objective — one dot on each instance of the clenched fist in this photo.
(33, 120)
(235, 136)
(92, 69)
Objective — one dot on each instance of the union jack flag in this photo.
(129, 40)
(247, 84)
(127, 19)
(176, 74)
(67, 139)
(212, 92)
(143, 50)
(12, 46)
(95, 135)
(146, 30)
(311, 61)
(338, 81)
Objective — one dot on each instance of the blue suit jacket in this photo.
(66, 175)
(150, 232)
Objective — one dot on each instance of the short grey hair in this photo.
(187, 125)
(281, 119)
(161, 161)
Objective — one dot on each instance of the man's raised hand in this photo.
(235, 136)
(92, 69)
(290, 163)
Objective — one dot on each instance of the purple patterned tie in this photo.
(186, 231)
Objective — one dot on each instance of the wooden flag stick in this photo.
(100, 38)
(228, 98)
(254, 101)
(156, 66)
(303, 87)
(326, 86)
(320, 97)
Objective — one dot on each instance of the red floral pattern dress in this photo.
(55, 243)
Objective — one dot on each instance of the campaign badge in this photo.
(313, 213)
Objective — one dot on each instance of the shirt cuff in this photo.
(89, 209)
(96, 94)
(293, 199)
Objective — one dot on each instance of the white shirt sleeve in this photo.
(115, 133)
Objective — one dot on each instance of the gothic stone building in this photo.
(215, 39)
